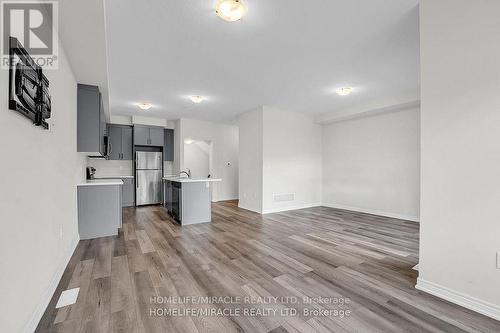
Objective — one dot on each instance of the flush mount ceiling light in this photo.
(230, 10)
(144, 106)
(344, 91)
(188, 141)
(196, 99)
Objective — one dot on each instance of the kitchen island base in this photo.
(189, 201)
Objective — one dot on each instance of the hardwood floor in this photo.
(362, 260)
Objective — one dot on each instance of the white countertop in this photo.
(115, 177)
(101, 182)
(191, 180)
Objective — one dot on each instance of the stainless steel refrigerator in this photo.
(148, 170)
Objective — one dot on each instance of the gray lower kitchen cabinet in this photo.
(128, 192)
(168, 147)
(148, 136)
(120, 142)
(91, 121)
(99, 210)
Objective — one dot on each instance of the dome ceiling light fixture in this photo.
(230, 10)
(344, 91)
(196, 99)
(144, 106)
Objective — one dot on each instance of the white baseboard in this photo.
(488, 309)
(374, 212)
(51, 289)
(242, 206)
(223, 199)
(284, 209)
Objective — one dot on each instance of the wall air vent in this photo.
(283, 197)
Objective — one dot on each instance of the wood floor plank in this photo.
(144, 241)
(97, 309)
(363, 261)
(123, 314)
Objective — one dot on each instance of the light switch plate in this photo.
(498, 259)
(67, 297)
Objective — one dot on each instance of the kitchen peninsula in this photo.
(188, 200)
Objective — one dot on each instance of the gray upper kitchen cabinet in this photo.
(127, 144)
(120, 142)
(148, 136)
(114, 142)
(157, 137)
(168, 147)
(91, 121)
(141, 135)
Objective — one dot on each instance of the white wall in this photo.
(197, 158)
(38, 176)
(141, 120)
(280, 155)
(460, 201)
(250, 160)
(372, 164)
(291, 160)
(225, 151)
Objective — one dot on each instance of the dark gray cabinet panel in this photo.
(91, 121)
(168, 147)
(128, 192)
(114, 142)
(141, 136)
(167, 195)
(127, 146)
(156, 136)
(120, 142)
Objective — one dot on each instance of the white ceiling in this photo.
(289, 54)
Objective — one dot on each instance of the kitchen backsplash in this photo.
(110, 168)
(168, 167)
(114, 168)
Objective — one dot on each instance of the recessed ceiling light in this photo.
(344, 91)
(230, 10)
(144, 106)
(196, 99)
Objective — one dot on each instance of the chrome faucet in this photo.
(188, 173)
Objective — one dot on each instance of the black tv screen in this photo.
(28, 87)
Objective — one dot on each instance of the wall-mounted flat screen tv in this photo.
(28, 87)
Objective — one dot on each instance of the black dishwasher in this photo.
(176, 201)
